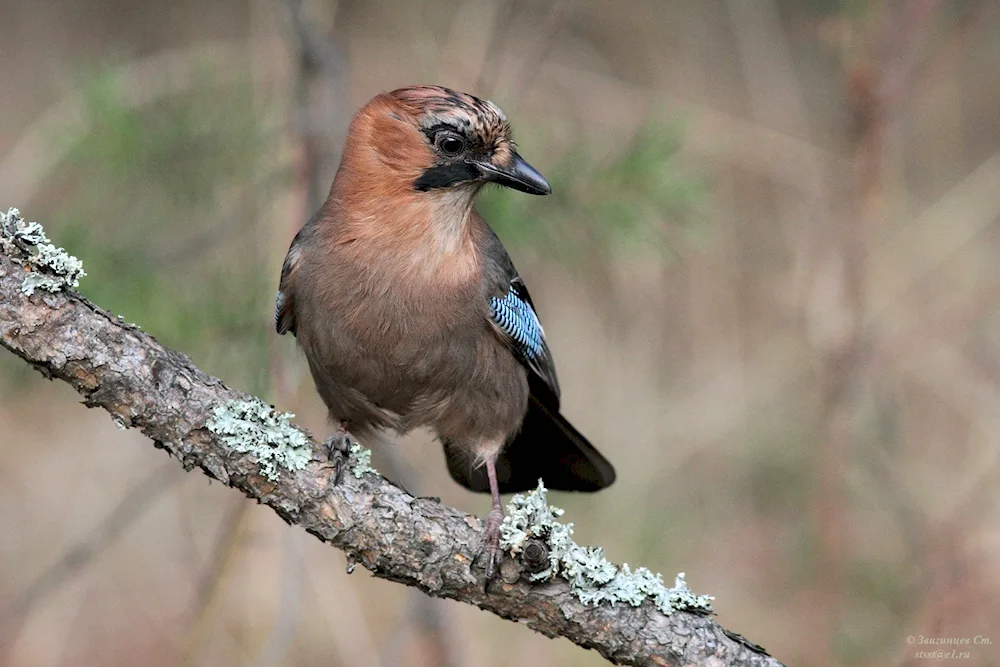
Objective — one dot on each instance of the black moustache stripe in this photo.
(445, 175)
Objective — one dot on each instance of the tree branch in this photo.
(415, 541)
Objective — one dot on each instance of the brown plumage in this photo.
(409, 310)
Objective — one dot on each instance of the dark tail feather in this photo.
(548, 447)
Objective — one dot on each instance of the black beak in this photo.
(519, 175)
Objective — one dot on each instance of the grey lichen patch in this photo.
(51, 269)
(593, 579)
(362, 457)
(253, 427)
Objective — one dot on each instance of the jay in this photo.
(410, 312)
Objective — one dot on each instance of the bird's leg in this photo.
(338, 449)
(491, 529)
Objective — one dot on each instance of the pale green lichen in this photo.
(530, 517)
(253, 427)
(593, 579)
(362, 461)
(51, 269)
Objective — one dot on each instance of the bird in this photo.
(410, 312)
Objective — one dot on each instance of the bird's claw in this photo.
(491, 543)
(338, 451)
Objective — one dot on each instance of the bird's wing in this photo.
(284, 302)
(512, 315)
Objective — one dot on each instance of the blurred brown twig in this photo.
(128, 510)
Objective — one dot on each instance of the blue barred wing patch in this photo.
(517, 320)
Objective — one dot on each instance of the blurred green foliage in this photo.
(164, 203)
(605, 207)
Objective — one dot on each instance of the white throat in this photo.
(451, 210)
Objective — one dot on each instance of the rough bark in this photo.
(414, 541)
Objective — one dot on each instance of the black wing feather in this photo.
(513, 316)
(547, 445)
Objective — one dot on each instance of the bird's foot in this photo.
(491, 543)
(338, 451)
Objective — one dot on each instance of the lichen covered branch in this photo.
(551, 584)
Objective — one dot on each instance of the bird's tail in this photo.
(547, 447)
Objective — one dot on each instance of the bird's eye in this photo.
(449, 144)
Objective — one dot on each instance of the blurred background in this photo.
(768, 272)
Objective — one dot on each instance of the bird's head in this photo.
(436, 140)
